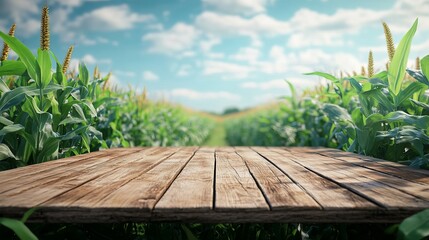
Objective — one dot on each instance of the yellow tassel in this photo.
(44, 32)
(6, 48)
(370, 64)
(362, 71)
(67, 59)
(417, 63)
(389, 41)
(107, 81)
(96, 74)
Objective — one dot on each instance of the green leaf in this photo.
(381, 98)
(49, 150)
(18, 228)
(44, 61)
(421, 122)
(11, 68)
(415, 227)
(424, 63)
(3, 86)
(5, 121)
(17, 95)
(27, 214)
(188, 233)
(324, 75)
(10, 129)
(418, 76)
(409, 91)
(420, 104)
(336, 112)
(396, 71)
(5, 152)
(83, 74)
(71, 120)
(24, 54)
(355, 84)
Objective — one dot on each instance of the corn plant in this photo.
(381, 114)
(47, 114)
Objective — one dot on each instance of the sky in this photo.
(213, 54)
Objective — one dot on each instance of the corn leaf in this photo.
(418, 76)
(17, 95)
(27, 214)
(5, 121)
(45, 64)
(409, 91)
(10, 129)
(18, 228)
(324, 75)
(5, 152)
(420, 104)
(24, 54)
(415, 227)
(49, 150)
(424, 63)
(83, 74)
(10, 68)
(396, 71)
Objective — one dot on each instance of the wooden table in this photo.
(191, 184)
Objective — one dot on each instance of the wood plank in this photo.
(280, 191)
(417, 190)
(192, 191)
(376, 191)
(35, 169)
(89, 193)
(39, 190)
(401, 171)
(327, 193)
(144, 191)
(235, 187)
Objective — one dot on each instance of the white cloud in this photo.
(110, 18)
(207, 45)
(197, 95)
(125, 73)
(150, 76)
(184, 70)
(179, 38)
(246, 7)
(280, 84)
(91, 60)
(218, 24)
(25, 13)
(268, 85)
(226, 70)
(248, 54)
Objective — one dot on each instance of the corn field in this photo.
(48, 112)
(383, 114)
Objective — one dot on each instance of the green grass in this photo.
(217, 137)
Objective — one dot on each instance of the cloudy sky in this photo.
(213, 54)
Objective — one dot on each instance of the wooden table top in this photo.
(227, 184)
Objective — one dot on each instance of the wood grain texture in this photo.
(144, 191)
(280, 191)
(235, 187)
(130, 168)
(327, 193)
(193, 188)
(192, 184)
(350, 177)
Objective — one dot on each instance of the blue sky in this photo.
(213, 54)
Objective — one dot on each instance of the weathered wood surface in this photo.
(191, 184)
